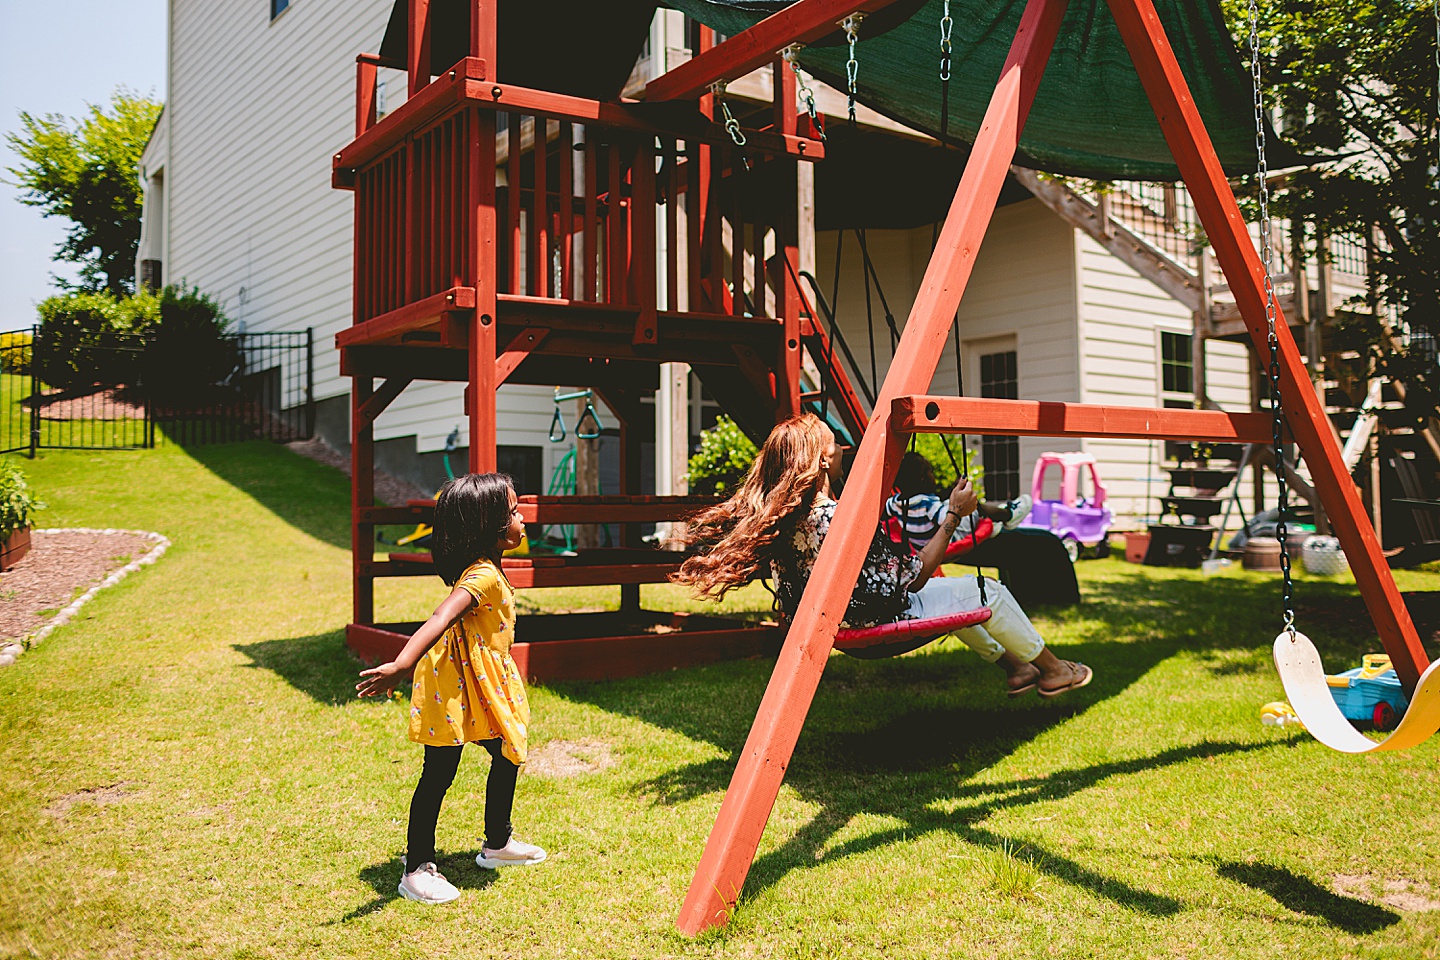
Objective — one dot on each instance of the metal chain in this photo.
(791, 55)
(1266, 261)
(851, 26)
(732, 126)
(946, 25)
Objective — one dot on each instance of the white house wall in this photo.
(1023, 286)
(256, 110)
(1121, 317)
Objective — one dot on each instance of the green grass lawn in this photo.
(185, 772)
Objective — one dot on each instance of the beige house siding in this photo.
(1121, 317)
(1023, 288)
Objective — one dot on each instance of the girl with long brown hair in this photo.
(773, 527)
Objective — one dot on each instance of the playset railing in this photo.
(620, 213)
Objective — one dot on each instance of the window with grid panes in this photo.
(999, 378)
(1177, 367)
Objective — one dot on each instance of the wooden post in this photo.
(417, 51)
(731, 847)
(484, 269)
(587, 479)
(672, 441)
(1195, 156)
(365, 69)
(362, 497)
(787, 243)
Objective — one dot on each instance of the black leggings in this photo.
(440, 766)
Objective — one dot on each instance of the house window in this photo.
(277, 7)
(999, 378)
(1177, 367)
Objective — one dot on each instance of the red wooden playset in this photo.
(554, 277)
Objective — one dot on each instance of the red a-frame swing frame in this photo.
(901, 410)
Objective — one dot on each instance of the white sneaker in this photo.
(515, 853)
(1019, 510)
(427, 885)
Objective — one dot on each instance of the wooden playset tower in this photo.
(505, 234)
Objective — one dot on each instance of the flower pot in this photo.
(14, 548)
(1136, 543)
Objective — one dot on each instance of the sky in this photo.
(56, 57)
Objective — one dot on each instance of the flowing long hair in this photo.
(471, 515)
(739, 535)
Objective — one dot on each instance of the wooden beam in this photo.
(1195, 156)
(415, 316)
(380, 399)
(801, 22)
(482, 224)
(516, 351)
(720, 875)
(1038, 418)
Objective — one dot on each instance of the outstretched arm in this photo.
(378, 680)
(962, 503)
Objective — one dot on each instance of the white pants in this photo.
(1007, 631)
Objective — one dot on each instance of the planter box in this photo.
(13, 550)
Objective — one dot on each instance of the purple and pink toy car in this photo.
(1081, 522)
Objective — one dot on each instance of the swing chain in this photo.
(1266, 261)
(791, 55)
(851, 26)
(732, 126)
(946, 25)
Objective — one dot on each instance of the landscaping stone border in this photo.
(10, 651)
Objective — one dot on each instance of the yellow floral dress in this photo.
(467, 687)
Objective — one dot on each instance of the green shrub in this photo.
(932, 448)
(191, 349)
(15, 352)
(17, 503)
(83, 340)
(724, 458)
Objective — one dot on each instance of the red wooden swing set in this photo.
(479, 299)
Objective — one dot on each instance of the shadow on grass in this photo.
(459, 868)
(908, 738)
(320, 665)
(305, 494)
(1303, 895)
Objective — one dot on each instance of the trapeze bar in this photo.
(1039, 418)
(801, 22)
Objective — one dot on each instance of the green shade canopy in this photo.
(1091, 117)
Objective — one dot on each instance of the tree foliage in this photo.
(85, 170)
(1353, 83)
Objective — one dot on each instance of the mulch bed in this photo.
(60, 566)
(109, 404)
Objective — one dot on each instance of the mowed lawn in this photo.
(185, 772)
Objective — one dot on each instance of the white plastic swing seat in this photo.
(1304, 679)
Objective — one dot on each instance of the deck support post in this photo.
(731, 847)
(362, 497)
(1190, 144)
(480, 162)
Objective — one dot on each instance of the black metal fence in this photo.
(120, 391)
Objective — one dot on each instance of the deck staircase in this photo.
(1154, 229)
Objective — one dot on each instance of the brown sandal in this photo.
(1081, 676)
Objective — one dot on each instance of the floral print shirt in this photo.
(881, 594)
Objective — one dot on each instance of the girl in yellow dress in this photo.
(467, 688)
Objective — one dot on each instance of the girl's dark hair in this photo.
(471, 515)
(915, 476)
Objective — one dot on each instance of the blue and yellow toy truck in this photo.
(1371, 693)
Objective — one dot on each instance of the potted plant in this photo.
(17, 506)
